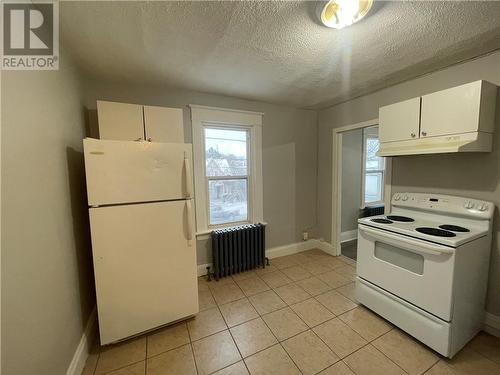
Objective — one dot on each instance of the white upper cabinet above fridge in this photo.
(163, 124)
(135, 122)
(401, 121)
(120, 121)
(459, 119)
(462, 109)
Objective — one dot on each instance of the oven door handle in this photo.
(407, 243)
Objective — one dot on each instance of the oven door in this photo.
(419, 272)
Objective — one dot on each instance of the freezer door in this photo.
(128, 172)
(145, 267)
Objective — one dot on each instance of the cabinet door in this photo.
(399, 121)
(120, 121)
(451, 111)
(145, 269)
(164, 124)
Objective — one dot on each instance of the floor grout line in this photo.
(279, 342)
(122, 367)
(286, 306)
(234, 341)
(192, 349)
(390, 360)
(336, 316)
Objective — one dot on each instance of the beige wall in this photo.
(471, 175)
(289, 138)
(352, 159)
(46, 283)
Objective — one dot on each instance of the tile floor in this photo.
(298, 316)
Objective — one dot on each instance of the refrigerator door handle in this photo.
(189, 221)
(189, 177)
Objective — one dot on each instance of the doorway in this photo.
(361, 183)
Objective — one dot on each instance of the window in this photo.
(226, 171)
(373, 168)
(227, 156)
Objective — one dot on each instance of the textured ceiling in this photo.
(273, 51)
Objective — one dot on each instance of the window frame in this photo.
(365, 172)
(212, 117)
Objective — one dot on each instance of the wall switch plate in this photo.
(305, 236)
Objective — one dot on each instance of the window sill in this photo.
(372, 204)
(205, 234)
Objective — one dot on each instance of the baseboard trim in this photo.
(327, 248)
(492, 324)
(82, 351)
(280, 251)
(292, 248)
(348, 235)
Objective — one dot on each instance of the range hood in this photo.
(466, 142)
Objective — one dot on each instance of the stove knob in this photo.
(469, 204)
(405, 197)
(482, 207)
(396, 197)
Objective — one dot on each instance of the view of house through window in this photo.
(226, 161)
(373, 167)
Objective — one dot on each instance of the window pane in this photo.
(228, 201)
(373, 162)
(225, 152)
(373, 187)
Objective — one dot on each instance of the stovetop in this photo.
(435, 228)
(443, 219)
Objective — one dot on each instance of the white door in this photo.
(164, 124)
(120, 121)
(127, 172)
(417, 271)
(400, 121)
(452, 111)
(145, 269)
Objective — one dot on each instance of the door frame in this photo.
(337, 180)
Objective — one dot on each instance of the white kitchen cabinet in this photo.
(462, 109)
(120, 121)
(459, 119)
(164, 124)
(399, 121)
(133, 122)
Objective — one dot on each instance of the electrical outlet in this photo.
(305, 236)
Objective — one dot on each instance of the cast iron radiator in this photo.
(238, 249)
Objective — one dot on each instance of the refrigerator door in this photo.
(129, 172)
(145, 268)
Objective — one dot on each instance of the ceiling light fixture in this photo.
(341, 13)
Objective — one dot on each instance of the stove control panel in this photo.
(445, 204)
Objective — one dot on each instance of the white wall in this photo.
(352, 159)
(289, 140)
(471, 175)
(46, 275)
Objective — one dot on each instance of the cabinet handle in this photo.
(149, 139)
(424, 133)
(138, 140)
(413, 135)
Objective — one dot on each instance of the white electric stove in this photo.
(424, 267)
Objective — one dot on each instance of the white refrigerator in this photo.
(140, 197)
